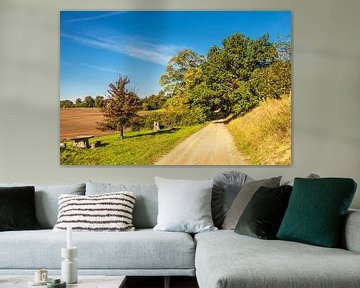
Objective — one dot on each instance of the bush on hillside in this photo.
(168, 119)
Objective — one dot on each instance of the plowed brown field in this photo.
(80, 121)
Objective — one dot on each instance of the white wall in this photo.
(326, 90)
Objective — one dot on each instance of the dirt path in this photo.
(212, 145)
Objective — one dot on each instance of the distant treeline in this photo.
(86, 102)
(152, 102)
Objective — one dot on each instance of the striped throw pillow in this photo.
(105, 212)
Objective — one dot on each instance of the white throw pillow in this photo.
(105, 212)
(184, 205)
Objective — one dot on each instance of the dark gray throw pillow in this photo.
(17, 208)
(226, 187)
(243, 198)
(46, 199)
(263, 214)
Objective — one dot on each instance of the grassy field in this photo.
(264, 135)
(138, 148)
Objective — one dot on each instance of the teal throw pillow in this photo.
(316, 211)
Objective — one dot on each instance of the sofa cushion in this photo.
(243, 198)
(291, 182)
(225, 259)
(146, 205)
(142, 249)
(46, 200)
(17, 208)
(105, 212)
(184, 205)
(317, 209)
(263, 215)
(350, 239)
(226, 187)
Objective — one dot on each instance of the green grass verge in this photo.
(263, 135)
(138, 148)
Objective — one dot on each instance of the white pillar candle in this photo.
(69, 237)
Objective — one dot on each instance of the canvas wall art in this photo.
(175, 88)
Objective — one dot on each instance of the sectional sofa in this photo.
(219, 259)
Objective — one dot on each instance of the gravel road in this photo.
(212, 145)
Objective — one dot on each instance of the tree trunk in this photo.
(122, 133)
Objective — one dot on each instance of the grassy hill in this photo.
(264, 135)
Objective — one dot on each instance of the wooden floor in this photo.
(158, 282)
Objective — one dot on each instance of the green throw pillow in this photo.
(316, 211)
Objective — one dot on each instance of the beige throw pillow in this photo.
(243, 198)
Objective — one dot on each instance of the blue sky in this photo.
(98, 46)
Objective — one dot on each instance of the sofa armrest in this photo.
(351, 234)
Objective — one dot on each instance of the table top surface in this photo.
(82, 137)
(84, 281)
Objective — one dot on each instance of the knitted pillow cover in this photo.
(105, 212)
(316, 211)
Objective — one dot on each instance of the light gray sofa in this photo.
(226, 259)
(220, 259)
(143, 252)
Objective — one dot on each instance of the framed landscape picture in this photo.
(175, 88)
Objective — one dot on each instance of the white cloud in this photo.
(84, 19)
(131, 46)
(101, 68)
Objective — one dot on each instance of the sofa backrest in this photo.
(146, 203)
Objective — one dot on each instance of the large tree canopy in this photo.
(233, 78)
(227, 71)
(173, 80)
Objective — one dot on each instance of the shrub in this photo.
(168, 119)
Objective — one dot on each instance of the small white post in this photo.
(69, 237)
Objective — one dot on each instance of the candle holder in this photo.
(69, 271)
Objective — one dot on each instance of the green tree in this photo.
(79, 102)
(272, 82)
(66, 104)
(242, 99)
(89, 102)
(283, 47)
(173, 80)
(156, 101)
(228, 70)
(99, 101)
(121, 106)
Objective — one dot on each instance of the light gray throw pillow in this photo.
(243, 198)
(184, 205)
